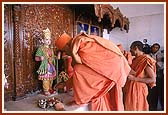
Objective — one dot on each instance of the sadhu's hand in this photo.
(132, 77)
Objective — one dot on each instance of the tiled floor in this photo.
(31, 103)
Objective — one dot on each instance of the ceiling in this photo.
(133, 10)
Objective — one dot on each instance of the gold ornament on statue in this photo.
(47, 34)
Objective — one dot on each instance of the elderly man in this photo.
(100, 71)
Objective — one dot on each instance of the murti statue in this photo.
(46, 71)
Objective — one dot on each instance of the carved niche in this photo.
(111, 16)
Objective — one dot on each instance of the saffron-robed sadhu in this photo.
(100, 71)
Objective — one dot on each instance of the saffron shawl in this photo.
(100, 73)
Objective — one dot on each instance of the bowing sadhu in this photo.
(100, 71)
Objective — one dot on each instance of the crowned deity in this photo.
(46, 71)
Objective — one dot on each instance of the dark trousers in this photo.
(156, 93)
(160, 85)
(152, 98)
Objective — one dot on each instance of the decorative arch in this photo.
(114, 15)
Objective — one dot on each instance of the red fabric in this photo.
(136, 92)
(100, 76)
(70, 70)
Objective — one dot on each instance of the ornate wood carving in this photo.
(22, 35)
(8, 52)
(36, 18)
(114, 14)
(17, 51)
(125, 23)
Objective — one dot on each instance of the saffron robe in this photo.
(100, 73)
(128, 56)
(135, 96)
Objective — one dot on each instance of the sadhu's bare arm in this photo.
(151, 76)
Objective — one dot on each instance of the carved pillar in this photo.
(17, 51)
(8, 52)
